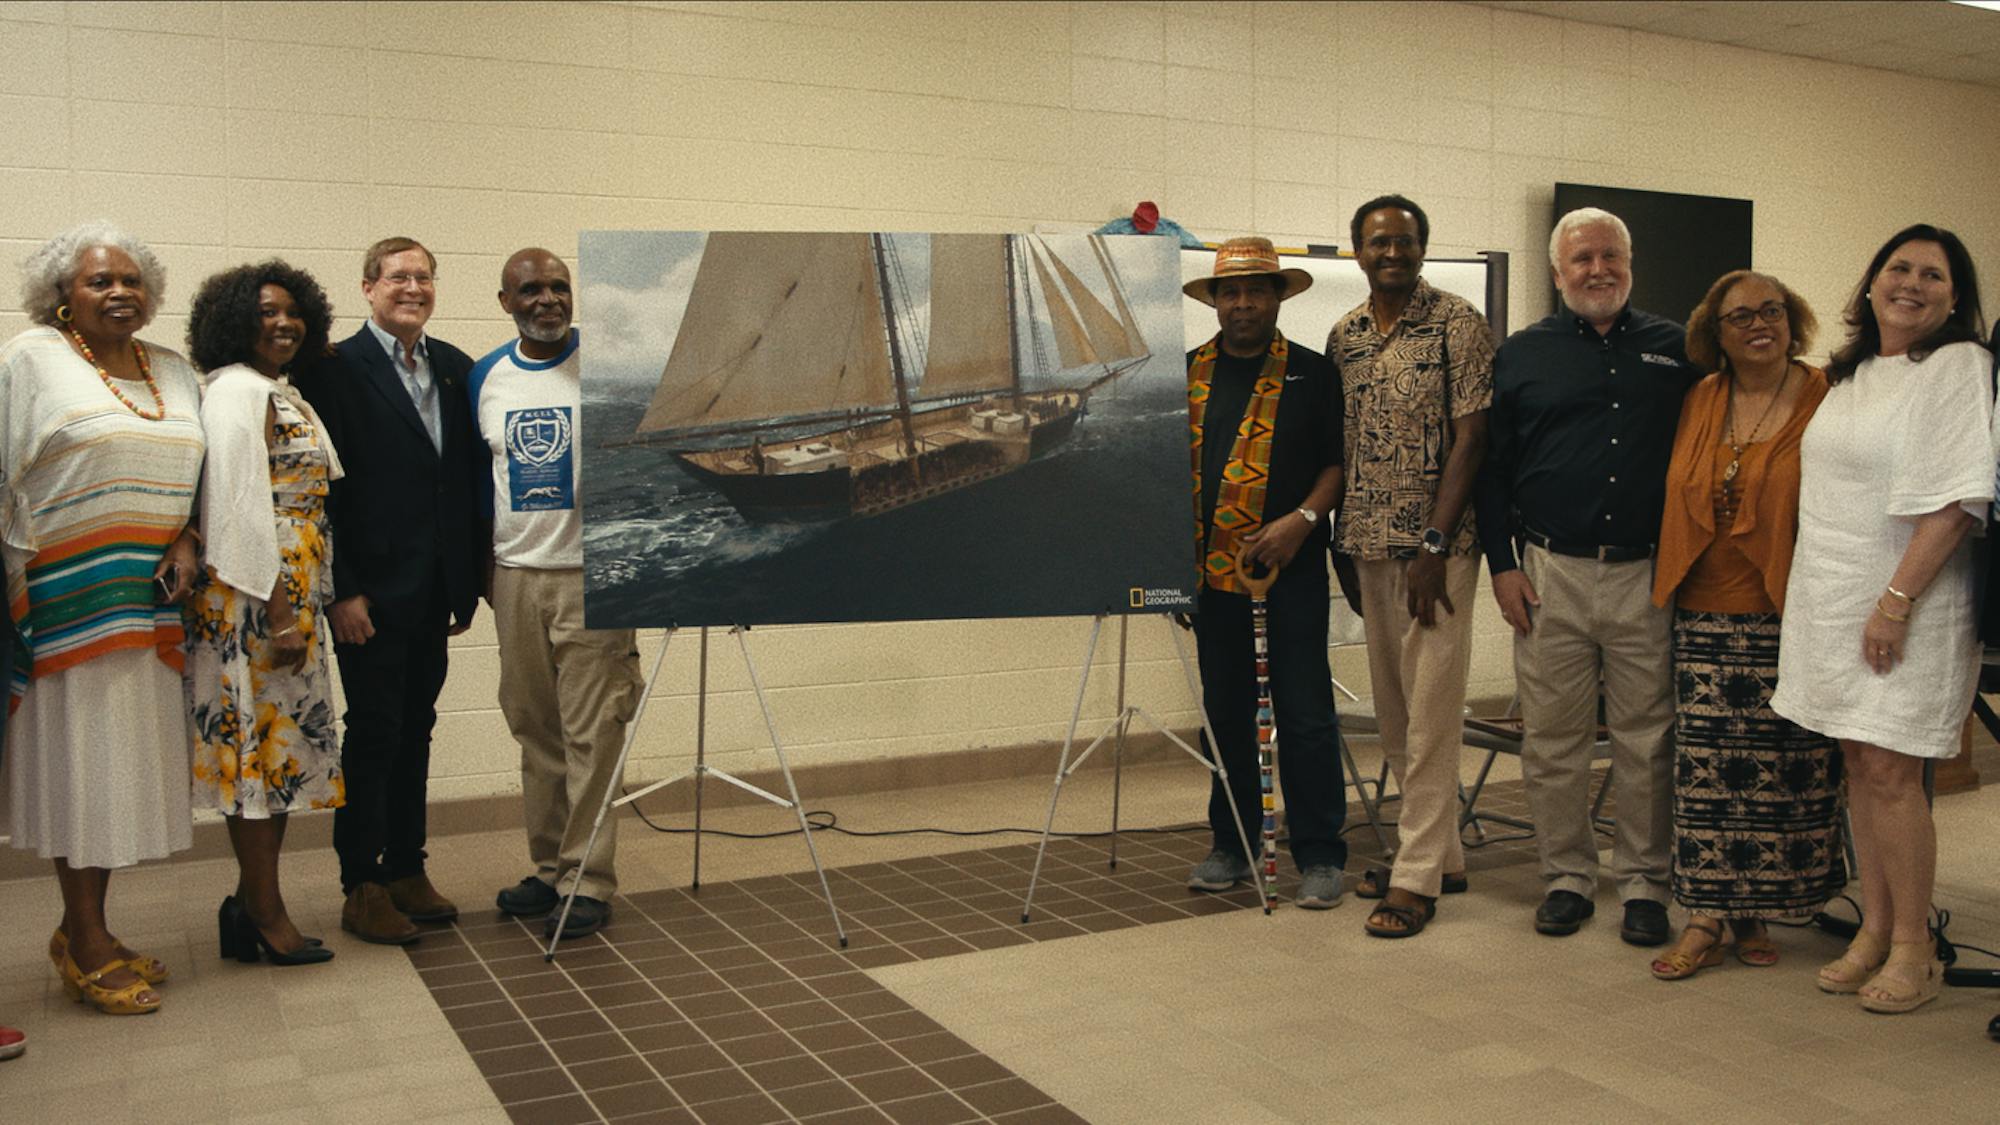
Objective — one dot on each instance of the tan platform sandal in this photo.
(1910, 978)
(1845, 975)
(1681, 964)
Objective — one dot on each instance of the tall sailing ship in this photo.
(809, 336)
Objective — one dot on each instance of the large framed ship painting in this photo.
(792, 427)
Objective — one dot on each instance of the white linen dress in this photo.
(1898, 440)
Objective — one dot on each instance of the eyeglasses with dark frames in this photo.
(1742, 318)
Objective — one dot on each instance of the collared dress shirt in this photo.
(1403, 387)
(1580, 432)
(415, 372)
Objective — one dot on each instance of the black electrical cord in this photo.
(825, 820)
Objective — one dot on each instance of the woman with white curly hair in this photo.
(100, 452)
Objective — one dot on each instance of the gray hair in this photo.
(1587, 217)
(46, 274)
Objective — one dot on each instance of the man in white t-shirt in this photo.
(567, 691)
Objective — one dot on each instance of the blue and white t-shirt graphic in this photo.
(540, 475)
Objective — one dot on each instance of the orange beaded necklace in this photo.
(110, 384)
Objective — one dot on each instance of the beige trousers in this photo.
(1597, 620)
(1408, 662)
(567, 693)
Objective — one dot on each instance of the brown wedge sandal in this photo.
(1682, 964)
(1754, 946)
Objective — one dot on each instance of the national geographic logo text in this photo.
(1169, 598)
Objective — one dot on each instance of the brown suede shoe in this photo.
(369, 915)
(414, 896)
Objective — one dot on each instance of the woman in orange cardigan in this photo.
(1756, 797)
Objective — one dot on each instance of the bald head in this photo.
(535, 291)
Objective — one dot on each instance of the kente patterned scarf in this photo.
(1239, 498)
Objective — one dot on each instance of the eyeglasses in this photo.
(1741, 318)
(420, 280)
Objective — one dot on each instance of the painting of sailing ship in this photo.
(805, 426)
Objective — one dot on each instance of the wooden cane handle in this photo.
(1256, 586)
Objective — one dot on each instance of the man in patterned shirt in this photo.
(1416, 366)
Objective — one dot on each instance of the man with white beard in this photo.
(1585, 404)
(567, 692)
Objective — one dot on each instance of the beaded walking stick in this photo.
(1267, 727)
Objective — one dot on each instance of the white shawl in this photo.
(238, 524)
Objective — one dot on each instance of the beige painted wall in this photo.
(225, 131)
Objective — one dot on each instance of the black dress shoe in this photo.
(529, 898)
(1645, 923)
(586, 916)
(1562, 913)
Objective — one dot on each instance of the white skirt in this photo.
(97, 763)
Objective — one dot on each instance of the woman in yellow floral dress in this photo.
(259, 695)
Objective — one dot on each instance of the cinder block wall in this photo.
(223, 132)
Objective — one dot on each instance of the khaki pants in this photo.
(1597, 619)
(1409, 662)
(567, 693)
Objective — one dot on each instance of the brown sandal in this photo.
(1412, 919)
(1909, 979)
(1374, 883)
(1680, 964)
(1754, 948)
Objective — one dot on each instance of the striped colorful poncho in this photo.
(90, 496)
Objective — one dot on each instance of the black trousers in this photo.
(392, 684)
(1302, 704)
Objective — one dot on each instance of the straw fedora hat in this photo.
(1247, 257)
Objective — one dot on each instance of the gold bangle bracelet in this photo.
(1885, 613)
(1895, 593)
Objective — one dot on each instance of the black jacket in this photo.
(403, 512)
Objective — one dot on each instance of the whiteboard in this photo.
(1338, 286)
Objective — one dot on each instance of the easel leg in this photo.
(791, 787)
(1062, 764)
(610, 796)
(700, 749)
(1118, 747)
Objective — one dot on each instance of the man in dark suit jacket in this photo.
(409, 560)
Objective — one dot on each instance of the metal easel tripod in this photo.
(700, 771)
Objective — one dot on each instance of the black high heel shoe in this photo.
(242, 940)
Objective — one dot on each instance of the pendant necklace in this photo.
(1736, 447)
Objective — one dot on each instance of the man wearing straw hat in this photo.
(1265, 428)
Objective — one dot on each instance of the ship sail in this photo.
(1072, 343)
(1125, 316)
(971, 339)
(1108, 338)
(777, 326)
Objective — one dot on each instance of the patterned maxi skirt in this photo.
(1757, 798)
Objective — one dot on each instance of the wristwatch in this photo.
(1311, 516)
(1434, 541)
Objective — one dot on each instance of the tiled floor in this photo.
(1126, 999)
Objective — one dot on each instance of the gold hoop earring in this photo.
(63, 313)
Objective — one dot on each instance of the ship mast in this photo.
(896, 364)
(1013, 319)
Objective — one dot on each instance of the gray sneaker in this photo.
(1319, 888)
(1219, 872)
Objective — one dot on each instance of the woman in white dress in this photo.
(100, 451)
(1897, 469)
